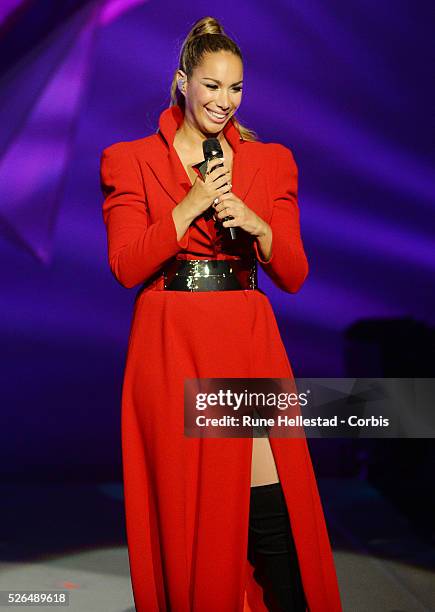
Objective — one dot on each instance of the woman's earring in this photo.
(180, 84)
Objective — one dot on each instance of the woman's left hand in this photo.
(231, 206)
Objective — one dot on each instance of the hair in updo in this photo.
(206, 36)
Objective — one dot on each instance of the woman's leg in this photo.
(272, 552)
(263, 468)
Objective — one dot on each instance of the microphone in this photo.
(213, 150)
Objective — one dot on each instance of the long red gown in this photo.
(187, 499)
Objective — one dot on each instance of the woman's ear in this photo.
(181, 81)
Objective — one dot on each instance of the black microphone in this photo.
(213, 150)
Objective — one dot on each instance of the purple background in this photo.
(348, 87)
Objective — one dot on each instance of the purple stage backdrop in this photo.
(347, 86)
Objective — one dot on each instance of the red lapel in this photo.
(172, 175)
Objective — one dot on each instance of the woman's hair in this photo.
(206, 36)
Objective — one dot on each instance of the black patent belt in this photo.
(210, 275)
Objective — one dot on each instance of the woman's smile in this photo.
(216, 117)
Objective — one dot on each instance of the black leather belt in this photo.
(210, 275)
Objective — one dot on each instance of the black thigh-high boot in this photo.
(272, 552)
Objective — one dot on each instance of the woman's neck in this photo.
(191, 138)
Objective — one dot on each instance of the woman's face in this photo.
(214, 91)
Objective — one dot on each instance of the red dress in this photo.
(187, 499)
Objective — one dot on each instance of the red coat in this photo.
(187, 499)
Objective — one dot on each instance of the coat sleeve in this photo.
(136, 248)
(287, 266)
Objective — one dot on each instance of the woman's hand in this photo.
(232, 206)
(216, 183)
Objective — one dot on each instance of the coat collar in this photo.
(172, 175)
(172, 118)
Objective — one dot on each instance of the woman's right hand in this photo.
(203, 191)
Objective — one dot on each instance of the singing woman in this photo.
(213, 524)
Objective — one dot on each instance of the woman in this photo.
(213, 524)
